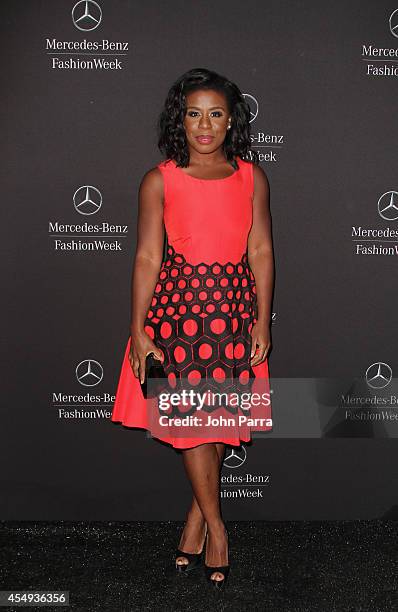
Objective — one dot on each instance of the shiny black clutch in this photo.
(155, 376)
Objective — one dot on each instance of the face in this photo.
(207, 115)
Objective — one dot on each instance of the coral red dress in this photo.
(201, 315)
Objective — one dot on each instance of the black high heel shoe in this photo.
(193, 559)
(223, 569)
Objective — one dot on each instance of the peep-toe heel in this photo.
(218, 585)
(194, 559)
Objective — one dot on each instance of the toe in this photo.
(182, 561)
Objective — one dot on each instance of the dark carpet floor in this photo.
(275, 566)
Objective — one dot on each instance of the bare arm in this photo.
(146, 266)
(261, 261)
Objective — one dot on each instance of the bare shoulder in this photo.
(152, 182)
(260, 179)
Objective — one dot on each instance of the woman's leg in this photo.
(195, 524)
(203, 464)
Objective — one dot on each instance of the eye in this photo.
(194, 113)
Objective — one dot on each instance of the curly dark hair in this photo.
(170, 128)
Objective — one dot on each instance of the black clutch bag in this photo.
(154, 375)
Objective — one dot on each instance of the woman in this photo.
(205, 310)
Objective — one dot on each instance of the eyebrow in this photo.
(212, 108)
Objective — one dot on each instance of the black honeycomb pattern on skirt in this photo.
(201, 317)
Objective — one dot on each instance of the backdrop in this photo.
(83, 85)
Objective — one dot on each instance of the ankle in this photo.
(216, 527)
(196, 518)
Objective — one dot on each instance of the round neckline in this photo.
(196, 178)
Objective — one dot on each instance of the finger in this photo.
(135, 366)
(260, 356)
(158, 354)
(142, 369)
(253, 349)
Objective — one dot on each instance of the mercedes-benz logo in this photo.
(378, 375)
(393, 23)
(388, 205)
(253, 105)
(235, 457)
(89, 372)
(86, 15)
(87, 200)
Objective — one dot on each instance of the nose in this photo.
(204, 120)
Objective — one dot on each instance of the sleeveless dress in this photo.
(202, 311)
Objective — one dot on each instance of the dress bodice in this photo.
(208, 220)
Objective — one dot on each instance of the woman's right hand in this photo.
(141, 345)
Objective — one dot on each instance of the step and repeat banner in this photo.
(83, 85)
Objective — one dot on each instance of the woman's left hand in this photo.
(261, 337)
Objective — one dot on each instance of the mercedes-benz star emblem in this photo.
(89, 372)
(388, 205)
(253, 105)
(393, 23)
(378, 375)
(235, 457)
(86, 15)
(87, 200)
